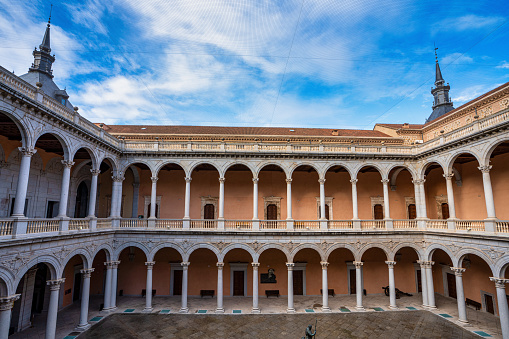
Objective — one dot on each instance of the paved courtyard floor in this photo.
(377, 321)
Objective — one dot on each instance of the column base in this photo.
(82, 328)
(463, 322)
(431, 307)
(105, 311)
(360, 308)
(184, 310)
(395, 308)
(219, 310)
(326, 309)
(113, 309)
(256, 311)
(290, 310)
(147, 310)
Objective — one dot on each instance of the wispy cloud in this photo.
(467, 23)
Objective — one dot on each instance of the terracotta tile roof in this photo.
(398, 126)
(251, 131)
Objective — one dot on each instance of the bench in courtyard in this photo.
(207, 293)
(272, 293)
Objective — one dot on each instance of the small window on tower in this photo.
(63, 101)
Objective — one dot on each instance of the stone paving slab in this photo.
(401, 324)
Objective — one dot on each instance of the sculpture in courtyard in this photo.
(309, 332)
(399, 293)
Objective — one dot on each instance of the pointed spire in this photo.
(442, 103)
(45, 45)
(438, 73)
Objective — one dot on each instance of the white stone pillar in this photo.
(184, 308)
(221, 198)
(107, 287)
(153, 198)
(255, 309)
(6, 304)
(114, 189)
(430, 286)
(358, 284)
(187, 198)
(460, 294)
(93, 192)
(255, 198)
(354, 199)
(422, 191)
(488, 191)
(136, 194)
(417, 197)
(64, 189)
(114, 276)
(290, 308)
(322, 199)
(503, 311)
(85, 296)
(392, 285)
(325, 288)
(22, 186)
(424, 287)
(289, 199)
(450, 195)
(387, 210)
(220, 308)
(116, 196)
(148, 294)
(420, 198)
(51, 321)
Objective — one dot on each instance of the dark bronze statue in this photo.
(309, 332)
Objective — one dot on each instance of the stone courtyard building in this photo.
(95, 209)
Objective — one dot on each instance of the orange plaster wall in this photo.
(8, 146)
(105, 183)
(162, 270)
(404, 188)
(476, 278)
(171, 186)
(69, 279)
(435, 186)
(132, 275)
(338, 186)
(376, 273)
(469, 198)
(272, 184)
(499, 174)
(204, 184)
(305, 190)
(202, 273)
(238, 195)
(313, 270)
(369, 185)
(276, 260)
(236, 256)
(337, 273)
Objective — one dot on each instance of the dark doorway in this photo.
(419, 281)
(378, 211)
(271, 212)
(77, 287)
(81, 201)
(39, 288)
(52, 210)
(208, 211)
(298, 282)
(412, 212)
(445, 210)
(488, 301)
(177, 282)
(238, 283)
(451, 285)
(353, 281)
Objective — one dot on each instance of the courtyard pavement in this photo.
(237, 322)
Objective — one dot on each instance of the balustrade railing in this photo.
(503, 226)
(103, 223)
(169, 223)
(238, 224)
(272, 224)
(306, 225)
(203, 224)
(5, 227)
(439, 224)
(470, 225)
(78, 224)
(133, 223)
(43, 225)
(404, 224)
(372, 224)
(340, 224)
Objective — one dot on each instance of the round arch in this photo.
(380, 170)
(64, 142)
(22, 128)
(7, 278)
(103, 247)
(452, 158)
(233, 163)
(159, 247)
(91, 153)
(125, 245)
(158, 168)
(195, 247)
(399, 168)
(261, 166)
(303, 163)
(345, 166)
(134, 162)
(428, 254)
(85, 256)
(490, 148)
(111, 162)
(315, 247)
(248, 249)
(50, 261)
(370, 246)
(501, 266)
(421, 171)
(201, 162)
(274, 246)
(395, 250)
(464, 252)
(345, 246)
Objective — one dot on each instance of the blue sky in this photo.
(294, 63)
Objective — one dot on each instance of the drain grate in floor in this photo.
(445, 315)
(96, 318)
(165, 311)
(129, 310)
(308, 310)
(237, 311)
(378, 309)
(70, 336)
(344, 309)
(482, 334)
(411, 308)
(201, 311)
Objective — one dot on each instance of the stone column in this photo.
(358, 284)
(488, 192)
(184, 308)
(107, 287)
(392, 285)
(221, 198)
(220, 308)
(114, 189)
(22, 186)
(255, 287)
(421, 201)
(153, 198)
(116, 196)
(322, 199)
(354, 199)
(424, 287)
(85, 295)
(417, 197)
(460, 295)
(255, 198)
(148, 294)
(51, 321)
(289, 199)
(136, 194)
(187, 198)
(430, 286)
(325, 288)
(6, 304)
(64, 190)
(450, 195)
(114, 275)
(290, 308)
(503, 312)
(387, 210)
(93, 193)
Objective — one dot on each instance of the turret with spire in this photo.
(442, 103)
(43, 60)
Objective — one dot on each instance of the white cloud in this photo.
(467, 23)
(505, 65)
(456, 58)
(469, 93)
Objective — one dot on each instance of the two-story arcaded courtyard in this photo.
(93, 209)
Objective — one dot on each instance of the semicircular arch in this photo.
(162, 246)
(312, 246)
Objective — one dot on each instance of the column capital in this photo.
(117, 178)
(358, 264)
(154, 179)
(425, 264)
(54, 285)
(255, 180)
(499, 282)
(354, 181)
(385, 181)
(111, 264)
(87, 272)
(288, 180)
(188, 179)
(150, 264)
(185, 264)
(27, 151)
(485, 169)
(458, 271)
(418, 181)
(324, 264)
(6, 303)
(95, 172)
(255, 265)
(290, 266)
(321, 181)
(448, 176)
(222, 180)
(67, 163)
(220, 265)
(390, 264)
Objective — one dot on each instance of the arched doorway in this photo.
(81, 201)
